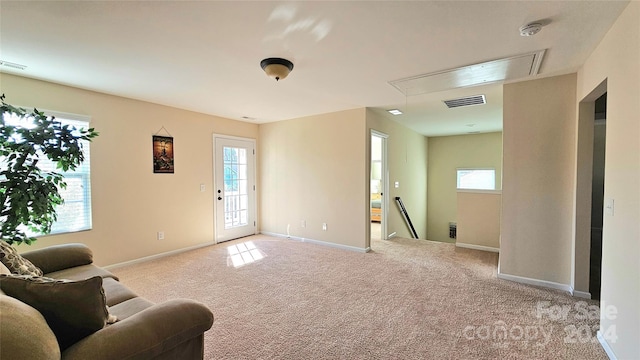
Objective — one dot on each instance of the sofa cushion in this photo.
(115, 292)
(130, 307)
(73, 309)
(15, 263)
(4, 270)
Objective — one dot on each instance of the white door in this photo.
(234, 176)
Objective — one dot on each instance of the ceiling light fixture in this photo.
(530, 29)
(394, 112)
(276, 68)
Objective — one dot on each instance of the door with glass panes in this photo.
(234, 164)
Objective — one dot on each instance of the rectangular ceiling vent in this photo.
(12, 65)
(489, 72)
(465, 101)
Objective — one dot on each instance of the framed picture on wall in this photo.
(163, 154)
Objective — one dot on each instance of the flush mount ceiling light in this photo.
(394, 112)
(276, 68)
(530, 29)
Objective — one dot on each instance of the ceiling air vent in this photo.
(466, 101)
(12, 65)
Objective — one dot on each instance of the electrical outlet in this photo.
(160, 235)
(303, 223)
(202, 187)
(324, 226)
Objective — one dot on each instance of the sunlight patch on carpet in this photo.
(243, 253)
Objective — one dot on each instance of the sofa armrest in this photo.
(146, 334)
(60, 257)
(24, 333)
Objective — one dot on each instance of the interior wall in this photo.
(617, 60)
(446, 154)
(130, 203)
(376, 165)
(478, 219)
(407, 165)
(314, 170)
(538, 179)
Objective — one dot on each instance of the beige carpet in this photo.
(408, 299)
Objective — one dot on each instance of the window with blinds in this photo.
(75, 214)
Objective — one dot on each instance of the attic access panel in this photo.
(489, 72)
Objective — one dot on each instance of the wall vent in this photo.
(466, 101)
(453, 229)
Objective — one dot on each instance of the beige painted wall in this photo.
(617, 60)
(314, 169)
(407, 161)
(130, 203)
(538, 178)
(446, 154)
(479, 219)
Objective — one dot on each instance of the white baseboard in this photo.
(319, 242)
(157, 256)
(279, 235)
(581, 294)
(535, 282)
(477, 247)
(606, 347)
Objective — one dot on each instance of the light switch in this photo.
(202, 188)
(609, 207)
(397, 184)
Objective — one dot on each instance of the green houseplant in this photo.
(28, 195)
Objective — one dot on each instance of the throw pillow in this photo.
(73, 309)
(17, 264)
(4, 269)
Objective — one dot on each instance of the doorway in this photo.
(379, 186)
(589, 195)
(234, 190)
(597, 195)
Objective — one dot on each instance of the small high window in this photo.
(476, 179)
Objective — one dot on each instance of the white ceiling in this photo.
(204, 55)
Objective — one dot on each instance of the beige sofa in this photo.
(170, 330)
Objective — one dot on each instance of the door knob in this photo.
(219, 198)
